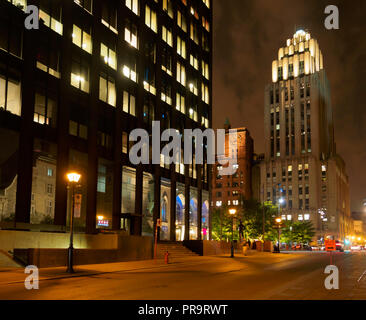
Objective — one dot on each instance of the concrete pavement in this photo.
(257, 276)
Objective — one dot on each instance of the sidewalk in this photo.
(17, 275)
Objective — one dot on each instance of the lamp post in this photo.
(232, 213)
(73, 179)
(278, 221)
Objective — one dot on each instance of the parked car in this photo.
(356, 248)
(307, 247)
(339, 246)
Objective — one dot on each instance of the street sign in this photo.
(330, 245)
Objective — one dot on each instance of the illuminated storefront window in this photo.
(148, 205)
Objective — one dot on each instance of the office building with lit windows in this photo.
(72, 91)
(302, 172)
(231, 190)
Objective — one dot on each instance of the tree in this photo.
(300, 232)
(221, 222)
(250, 213)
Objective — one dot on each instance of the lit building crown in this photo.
(300, 56)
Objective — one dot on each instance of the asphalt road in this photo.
(259, 276)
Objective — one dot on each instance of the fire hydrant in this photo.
(166, 257)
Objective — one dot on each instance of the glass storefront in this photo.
(193, 214)
(205, 215)
(128, 190)
(148, 205)
(180, 208)
(165, 209)
(43, 182)
(104, 194)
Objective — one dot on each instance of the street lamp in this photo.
(73, 178)
(278, 221)
(232, 213)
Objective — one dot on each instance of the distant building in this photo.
(228, 190)
(359, 222)
(301, 166)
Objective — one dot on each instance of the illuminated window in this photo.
(109, 16)
(82, 39)
(193, 60)
(133, 5)
(181, 47)
(194, 32)
(205, 70)
(86, 4)
(300, 217)
(205, 24)
(149, 80)
(166, 60)
(131, 34)
(107, 89)
(48, 60)
(78, 130)
(10, 94)
(306, 216)
(181, 74)
(167, 36)
(205, 94)
(129, 103)
(166, 92)
(168, 7)
(124, 142)
(181, 21)
(80, 76)
(102, 178)
(45, 110)
(50, 14)
(150, 19)
(207, 3)
(21, 4)
(193, 113)
(218, 203)
(193, 87)
(205, 122)
(194, 13)
(129, 70)
(108, 55)
(180, 103)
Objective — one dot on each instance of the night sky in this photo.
(247, 36)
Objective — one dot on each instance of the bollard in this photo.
(166, 257)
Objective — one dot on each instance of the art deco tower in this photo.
(301, 168)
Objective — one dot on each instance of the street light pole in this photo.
(70, 250)
(232, 238)
(278, 220)
(73, 179)
(232, 213)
